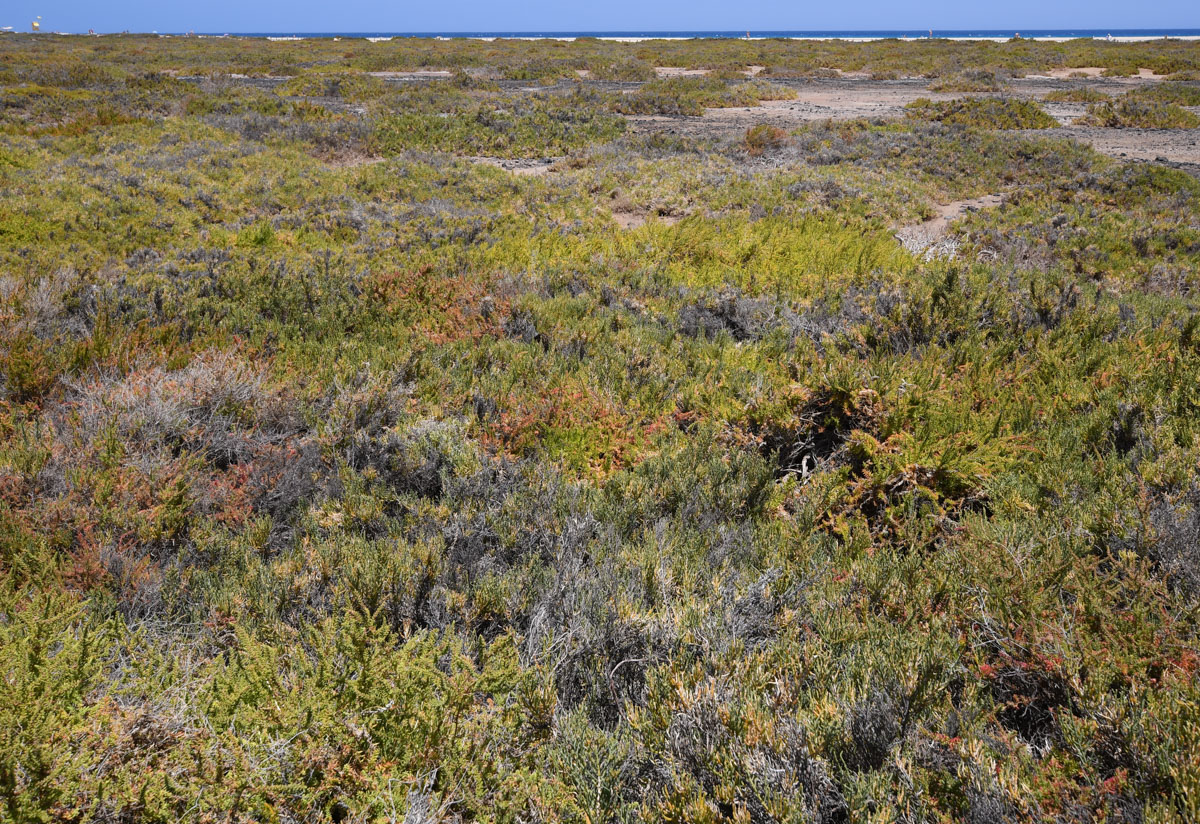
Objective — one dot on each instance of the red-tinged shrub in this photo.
(762, 138)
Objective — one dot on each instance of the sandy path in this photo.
(675, 71)
(422, 74)
(922, 237)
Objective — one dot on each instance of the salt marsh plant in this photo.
(347, 475)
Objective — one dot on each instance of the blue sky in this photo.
(608, 15)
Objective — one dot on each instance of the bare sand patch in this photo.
(1089, 73)
(349, 159)
(677, 71)
(632, 218)
(836, 100)
(930, 237)
(946, 213)
(413, 75)
(522, 167)
(1071, 73)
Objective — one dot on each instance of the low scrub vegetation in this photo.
(117, 56)
(348, 476)
(622, 70)
(1131, 113)
(352, 86)
(513, 127)
(983, 113)
(1180, 94)
(764, 137)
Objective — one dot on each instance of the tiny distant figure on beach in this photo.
(931, 34)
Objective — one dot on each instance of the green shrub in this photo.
(258, 235)
(71, 74)
(762, 137)
(513, 128)
(1129, 113)
(1121, 70)
(968, 81)
(159, 84)
(622, 70)
(353, 86)
(541, 70)
(1180, 94)
(462, 79)
(987, 113)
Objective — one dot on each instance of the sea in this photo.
(898, 34)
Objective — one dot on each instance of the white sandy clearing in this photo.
(413, 75)
(676, 71)
(1091, 73)
(1065, 74)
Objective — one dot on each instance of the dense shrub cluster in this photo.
(985, 113)
(1181, 94)
(1131, 113)
(692, 95)
(515, 127)
(622, 70)
(354, 86)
